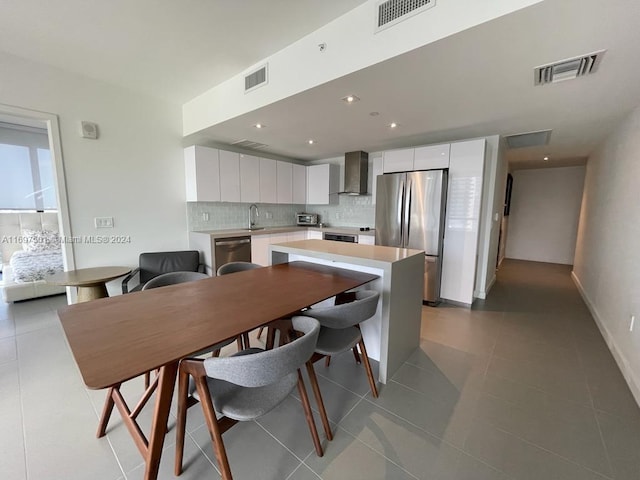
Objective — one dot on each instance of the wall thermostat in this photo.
(89, 130)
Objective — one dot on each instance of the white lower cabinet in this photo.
(260, 249)
(314, 235)
(295, 236)
(260, 244)
(366, 239)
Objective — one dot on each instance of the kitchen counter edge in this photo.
(239, 232)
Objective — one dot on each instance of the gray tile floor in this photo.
(520, 387)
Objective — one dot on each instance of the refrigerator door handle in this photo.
(401, 213)
(407, 220)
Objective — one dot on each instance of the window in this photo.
(26, 170)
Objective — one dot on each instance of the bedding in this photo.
(31, 266)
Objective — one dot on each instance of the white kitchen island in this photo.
(394, 332)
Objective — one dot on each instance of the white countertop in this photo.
(347, 252)
(242, 232)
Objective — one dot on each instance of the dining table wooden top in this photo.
(118, 338)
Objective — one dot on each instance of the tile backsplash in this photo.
(222, 215)
(351, 211)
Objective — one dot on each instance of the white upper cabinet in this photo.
(432, 157)
(268, 181)
(398, 160)
(249, 178)
(202, 174)
(322, 184)
(284, 182)
(229, 176)
(299, 184)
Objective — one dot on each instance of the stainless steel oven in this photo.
(340, 237)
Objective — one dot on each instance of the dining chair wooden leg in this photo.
(106, 412)
(367, 366)
(327, 360)
(166, 383)
(309, 415)
(356, 355)
(245, 339)
(316, 391)
(260, 330)
(271, 338)
(214, 430)
(181, 422)
(147, 379)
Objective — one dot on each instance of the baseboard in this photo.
(483, 295)
(632, 380)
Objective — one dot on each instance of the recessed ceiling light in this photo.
(546, 159)
(393, 125)
(260, 125)
(349, 99)
(311, 141)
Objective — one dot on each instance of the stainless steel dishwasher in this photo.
(234, 249)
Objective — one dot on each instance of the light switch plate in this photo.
(103, 222)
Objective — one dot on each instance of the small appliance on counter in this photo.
(307, 219)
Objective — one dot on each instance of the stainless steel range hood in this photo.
(356, 173)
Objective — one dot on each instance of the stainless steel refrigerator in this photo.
(410, 214)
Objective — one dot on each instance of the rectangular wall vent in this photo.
(391, 12)
(256, 79)
(530, 139)
(568, 69)
(249, 144)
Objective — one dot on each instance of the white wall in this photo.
(493, 185)
(134, 172)
(545, 207)
(607, 261)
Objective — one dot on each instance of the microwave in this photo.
(309, 219)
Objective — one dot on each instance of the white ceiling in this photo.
(478, 82)
(168, 48)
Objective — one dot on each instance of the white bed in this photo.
(22, 271)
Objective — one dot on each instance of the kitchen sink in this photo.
(254, 228)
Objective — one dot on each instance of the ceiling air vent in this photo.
(568, 69)
(531, 139)
(391, 12)
(249, 144)
(256, 79)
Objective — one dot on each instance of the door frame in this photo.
(55, 147)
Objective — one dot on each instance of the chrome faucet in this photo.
(252, 222)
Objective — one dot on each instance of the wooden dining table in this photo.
(119, 338)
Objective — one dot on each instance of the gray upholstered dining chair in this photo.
(244, 387)
(152, 264)
(163, 280)
(235, 267)
(340, 328)
(173, 278)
